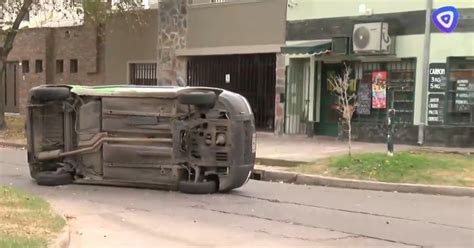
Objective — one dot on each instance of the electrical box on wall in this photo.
(340, 45)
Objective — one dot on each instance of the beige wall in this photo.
(312, 9)
(236, 23)
(129, 39)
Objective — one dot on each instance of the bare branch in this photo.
(10, 37)
(346, 100)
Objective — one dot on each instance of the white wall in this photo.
(450, 45)
(312, 9)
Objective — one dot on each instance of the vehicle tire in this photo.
(53, 178)
(207, 187)
(46, 94)
(198, 98)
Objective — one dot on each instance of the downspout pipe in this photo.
(425, 69)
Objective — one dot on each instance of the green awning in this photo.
(316, 47)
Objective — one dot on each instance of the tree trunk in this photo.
(6, 49)
(349, 136)
(2, 92)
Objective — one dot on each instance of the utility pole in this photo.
(426, 66)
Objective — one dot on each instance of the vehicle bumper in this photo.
(236, 178)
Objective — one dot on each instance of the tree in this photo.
(346, 101)
(14, 12)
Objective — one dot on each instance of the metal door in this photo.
(251, 75)
(329, 120)
(297, 104)
(11, 78)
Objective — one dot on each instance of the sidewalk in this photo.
(301, 149)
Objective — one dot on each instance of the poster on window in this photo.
(379, 89)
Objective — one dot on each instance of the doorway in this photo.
(10, 81)
(298, 96)
(329, 116)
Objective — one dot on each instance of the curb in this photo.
(304, 179)
(279, 162)
(436, 150)
(12, 144)
(63, 239)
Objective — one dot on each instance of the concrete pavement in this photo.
(297, 148)
(260, 214)
(304, 149)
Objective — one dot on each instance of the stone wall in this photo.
(408, 134)
(377, 132)
(50, 45)
(449, 136)
(172, 28)
(279, 91)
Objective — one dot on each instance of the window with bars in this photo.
(400, 91)
(143, 73)
(207, 1)
(460, 93)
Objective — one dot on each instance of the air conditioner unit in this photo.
(371, 38)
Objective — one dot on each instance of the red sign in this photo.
(379, 89)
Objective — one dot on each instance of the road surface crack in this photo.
(300, 224)
(352, 211)
(305, 239)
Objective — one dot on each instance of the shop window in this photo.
(39, 66)
(460, 94)
(25, 66)
(73, 66)
(399, 91)
(59, 66)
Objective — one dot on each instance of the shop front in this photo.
(450, 108)
(380, 83)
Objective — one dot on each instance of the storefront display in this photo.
(379, 89)
(364, 99)
(436, 104)
(460, 100)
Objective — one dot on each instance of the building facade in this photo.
(321, 41)
(131, 48)
(233, 45)
(66, 55)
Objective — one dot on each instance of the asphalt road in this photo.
(260, 214)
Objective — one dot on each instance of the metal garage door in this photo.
(252, 76)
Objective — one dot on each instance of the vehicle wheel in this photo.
(198, 98)
(53, 178)
(207, 187)
(46, 94)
